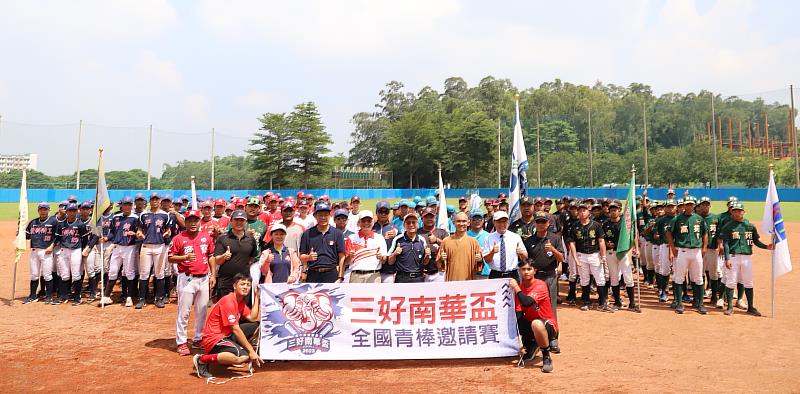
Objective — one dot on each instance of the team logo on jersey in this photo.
(231, 319)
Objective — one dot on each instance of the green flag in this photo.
(627, 231)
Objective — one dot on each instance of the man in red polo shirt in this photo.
(230, 327)
(219, 213)
(190, 250)
(535, 319)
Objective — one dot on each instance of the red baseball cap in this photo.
(220, 201)
(300, 194)
(231, 207)
(193, 212)
(287, 205)
(239, 201)
(310, 196)
(207, 204)
(273, 198)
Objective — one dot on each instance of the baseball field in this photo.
(64, 347)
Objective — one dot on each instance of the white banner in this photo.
(309, 321)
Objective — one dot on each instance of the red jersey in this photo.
(202, 245)
(207, 227)
(267, 219)
(224, 315)
(541, 294)
(223, 221)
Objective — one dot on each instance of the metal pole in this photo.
(78, 157)
(714, 133)
(499, 184)
(772, 265)
(212, 158)
(591, 165)
(794, 138)
(644, 121)
(149, 154)
(538, 155)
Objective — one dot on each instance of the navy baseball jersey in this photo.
(41, 232)
(153, 225)
(120, 225)
(72, 235)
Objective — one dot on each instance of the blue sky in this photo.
(186, 67)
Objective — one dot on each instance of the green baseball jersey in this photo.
(712, 223)
(688, 231)
(662, 226)
(739, 237)
(259, 227)
(649, 234)
(722, 219)
(642, 217)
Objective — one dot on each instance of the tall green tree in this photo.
(312, 140)
(275, 151)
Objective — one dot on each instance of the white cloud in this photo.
(258, 100)
(197, 109)
(157, 71)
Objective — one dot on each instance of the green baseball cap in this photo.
(705, 199)
(690, 200)
(670, 202)
(737, 205)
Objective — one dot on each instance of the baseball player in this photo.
(535, 319)
(712, 261)
(60, 216)
(572, 266)
(724, 218)
(190, 250)
(230, 327)
(122, 234)
(617, 267)
(72, 235)
(153, 256)
(587, 244)
(738, 237)
(41, 233)
(177, 224)
(91, 259)
(663, 266)
(687, 237)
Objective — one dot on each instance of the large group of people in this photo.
(224, 248)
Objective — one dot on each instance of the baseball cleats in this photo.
(183, 350)
(741, 304)
(197, 344)
(562, 277)
(128, 302)
(202, 369)
(76, 302)
(30, 300)
(585, 307)
(106, 301)
(160, 302)
(702, 309)
(92, 297)
(606, 308)
(663, 297)
(547, 364)
(753, 312)
(139, 304)
(728, 311)
(679, 308)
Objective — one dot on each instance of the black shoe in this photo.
(160, 303)
(202, 369)
(571, 302)
(547, 364)
(729, 311)
(92, 297)
(30, 300)
(679, 308)
(139, 304)
(529, 355)
(702, 309)
(56, 301)
(558, 300)
(554, 347)
(76, 302)
(753, 312)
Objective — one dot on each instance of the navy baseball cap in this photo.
(86, 205)
(44, 205)
(155, 195)
(72, 198)
(126, 200)
(341, 212)
(63, 204)
(382, 205)
(139, 196)
(540, 216)
(167, 197)
(238, 214)
(72, 207)
(322, 206)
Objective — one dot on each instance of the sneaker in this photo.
(202, 369)
(562, 277)
(160, 303)
(56, 301)
(741, 304)
(76, 302)
(753, 312)
(571, 302)
(106, 301)
(702, 310)
(606, 308)
(47, 301)
(687, 299)
(729, 311)
(128, 302)
(530, 354)
(30, 300)
(585, 308)
(547, 364)
(183, 350)
(634, 308)
(139, 304)
(679, 308)
(197, 344)
(720, 303)
(92, 298)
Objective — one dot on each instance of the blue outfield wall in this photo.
(758, 194)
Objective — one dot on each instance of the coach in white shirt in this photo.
(503, 249)
(366, 251)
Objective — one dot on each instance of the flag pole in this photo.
(772, 262)
(636, 245)
(19, 243)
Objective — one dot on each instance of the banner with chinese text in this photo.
(471, 319)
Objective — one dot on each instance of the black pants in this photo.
(508, 274)
(526, 332)
(551, 278)
(322, 277)
(404, 277)
(230, 344)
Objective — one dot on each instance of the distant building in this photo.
(27, 161)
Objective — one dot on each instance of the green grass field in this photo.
(754, 209)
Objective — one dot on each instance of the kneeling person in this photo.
(535, 317)
(226, 339)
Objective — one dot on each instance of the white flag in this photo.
(441, 219)
(519, 166)
(475, 202)
(20, 242)
(772, 224)
(194, 196)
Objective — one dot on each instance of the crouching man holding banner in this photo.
(535, 319)
(229, 328)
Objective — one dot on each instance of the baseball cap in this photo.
(411, 214)
(139, 196)
(220, 201)
(341, 212)
(310, 196)
(155, 195)
(44, 205)
(431, 200)
(417, 199)
(276, 227)
(421, 204)
(208, 204)
(403, 202)
(365, 214)
(86, 205)
(72, 198)
(690, 200)
(238, 214)
(538, 200)
(462, 198)
(354, 199)
(381, 205)
(287, 205)
(704, 199)
(63, 204)
(527, 200)
(126, 200)
(499, 215)
(428, 211)
(396, 205)
(670, 202)
(185, 197)
(540, 216)
(253, 201)
(476, 212)
(501, 196)
(72, 206)
(679, 201)
(167, 197)
(239, 201)
(451, 209)
(192, 212)
(322, 206)
(614, 204)
(230, 206)
(300, 194)
(737, 205)
(731, 200)
(302, 203)
(575, 204)
(412, 205)
(671, 191)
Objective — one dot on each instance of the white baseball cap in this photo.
(276, 227)
(365, 214)
(500, 215)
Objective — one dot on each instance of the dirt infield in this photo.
(65, 348)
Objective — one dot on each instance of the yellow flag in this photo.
(21, 243)
(101, 200)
